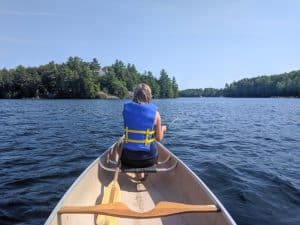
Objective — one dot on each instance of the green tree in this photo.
(118, 89)
(175, 88)
(166, 88)
(76, 78)
(132, 77)
(95, 65)
(149, 79)
(191, 93)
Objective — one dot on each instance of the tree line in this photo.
(282, 85)
(76, 78)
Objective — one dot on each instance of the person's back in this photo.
(142, 125)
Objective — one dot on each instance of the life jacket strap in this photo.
(148, 133)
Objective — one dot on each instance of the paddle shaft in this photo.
(119, 209)
(114, 186)
(112, 192)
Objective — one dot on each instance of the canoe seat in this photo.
(151, 169)
(165, 165)
(111, 160)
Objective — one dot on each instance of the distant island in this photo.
(282, 85)
(76, 78)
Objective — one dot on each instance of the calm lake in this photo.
(247, 151)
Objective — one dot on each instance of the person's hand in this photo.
(164, 128)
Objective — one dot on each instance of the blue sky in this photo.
(201, 43)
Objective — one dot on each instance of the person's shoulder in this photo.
(157, 118)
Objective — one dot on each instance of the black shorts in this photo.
(139, 159)
(138, 163)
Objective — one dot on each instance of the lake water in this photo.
(246, 150)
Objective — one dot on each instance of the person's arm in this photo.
(159, 129)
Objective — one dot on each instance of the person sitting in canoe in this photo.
(142, 124)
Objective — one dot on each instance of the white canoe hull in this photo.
(179, 185)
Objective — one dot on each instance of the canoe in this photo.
(170, 182)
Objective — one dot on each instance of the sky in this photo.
(200, 43)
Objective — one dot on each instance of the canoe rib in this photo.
(119, 209)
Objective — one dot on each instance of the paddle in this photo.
(112, 193)
(121, 210)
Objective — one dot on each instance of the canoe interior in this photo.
(178, 185)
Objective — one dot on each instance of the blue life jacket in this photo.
(138, 125)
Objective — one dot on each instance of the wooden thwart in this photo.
(119, 209)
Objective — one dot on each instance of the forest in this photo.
(282, 85)
(76, 78)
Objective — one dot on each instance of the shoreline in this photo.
(117, 98)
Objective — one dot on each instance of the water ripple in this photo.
(245, 150)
